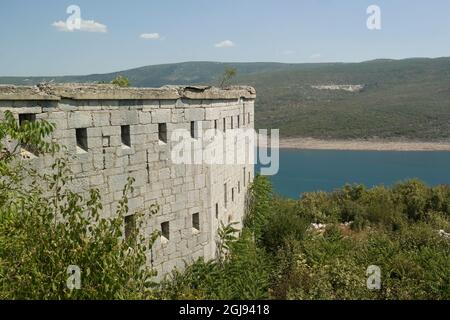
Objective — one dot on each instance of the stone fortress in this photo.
(113, 133)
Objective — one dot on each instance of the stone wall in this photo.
(114, 133)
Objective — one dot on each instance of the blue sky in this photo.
(190, 30)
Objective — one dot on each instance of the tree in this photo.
(227, 76)
(121, 81)
(52, 239)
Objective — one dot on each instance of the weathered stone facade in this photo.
(115, 133)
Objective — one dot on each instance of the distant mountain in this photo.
(159, 75)
(396, 99)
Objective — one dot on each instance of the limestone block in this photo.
(153, 137)
(88, 167)
(67, 105)
(161, 115)
(150, 196)
(139, 139)
(152, 156)
(118, 195)
(196, 114)
(101, 118)
(166, 191)
(109, 171)
(82, 157)
(76, 168)
(117, 182)
(164, 174)
(124, 151)
(97, 180)
(100, 162)
(115, 141)
(170, 199)
(24, 109)
(95, 142)
(193, 196)
(200, 181)
(182, 245)
(178, 115)
(79, 119)
(111, 131)
(177, 181)
(180, 170)
(168, 184)
(94, 132)
(138, 158)
(59, 119)
(124, 117)
(181, 198)
(164, 154)
(80, 184)
(157, 186)
(145, 117)
(135, 204)
(177, 189)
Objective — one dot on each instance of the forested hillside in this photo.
(401, 99)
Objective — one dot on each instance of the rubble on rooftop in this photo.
(79, 91)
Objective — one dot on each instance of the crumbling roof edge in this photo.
(76, 91)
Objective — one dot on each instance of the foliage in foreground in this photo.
(285, 258)
(45, 228)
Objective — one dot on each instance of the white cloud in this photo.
(86, 25)
(224, 44)
(316, 56)
(150, 36)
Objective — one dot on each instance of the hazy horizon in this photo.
(37, 39)
(221, 62)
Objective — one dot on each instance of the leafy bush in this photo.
(244, 274)
(318, 207)
(413, 195)
(282, 225)
(121, 81)
(260, 208)
(45, 228)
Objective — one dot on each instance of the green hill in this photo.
(401, 99)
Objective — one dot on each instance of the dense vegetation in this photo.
(402, 99)
(279, 255)
(282, 251)
(46, 230)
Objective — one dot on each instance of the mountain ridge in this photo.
(402, 99)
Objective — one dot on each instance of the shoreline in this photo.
(362, 145)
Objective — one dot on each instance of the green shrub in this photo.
(243, 275)
(45, 228)
(413, 195)
(318, 207)
(121, 81)
(260, 199)
(282, 225)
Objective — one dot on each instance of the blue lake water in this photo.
(311, 170)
